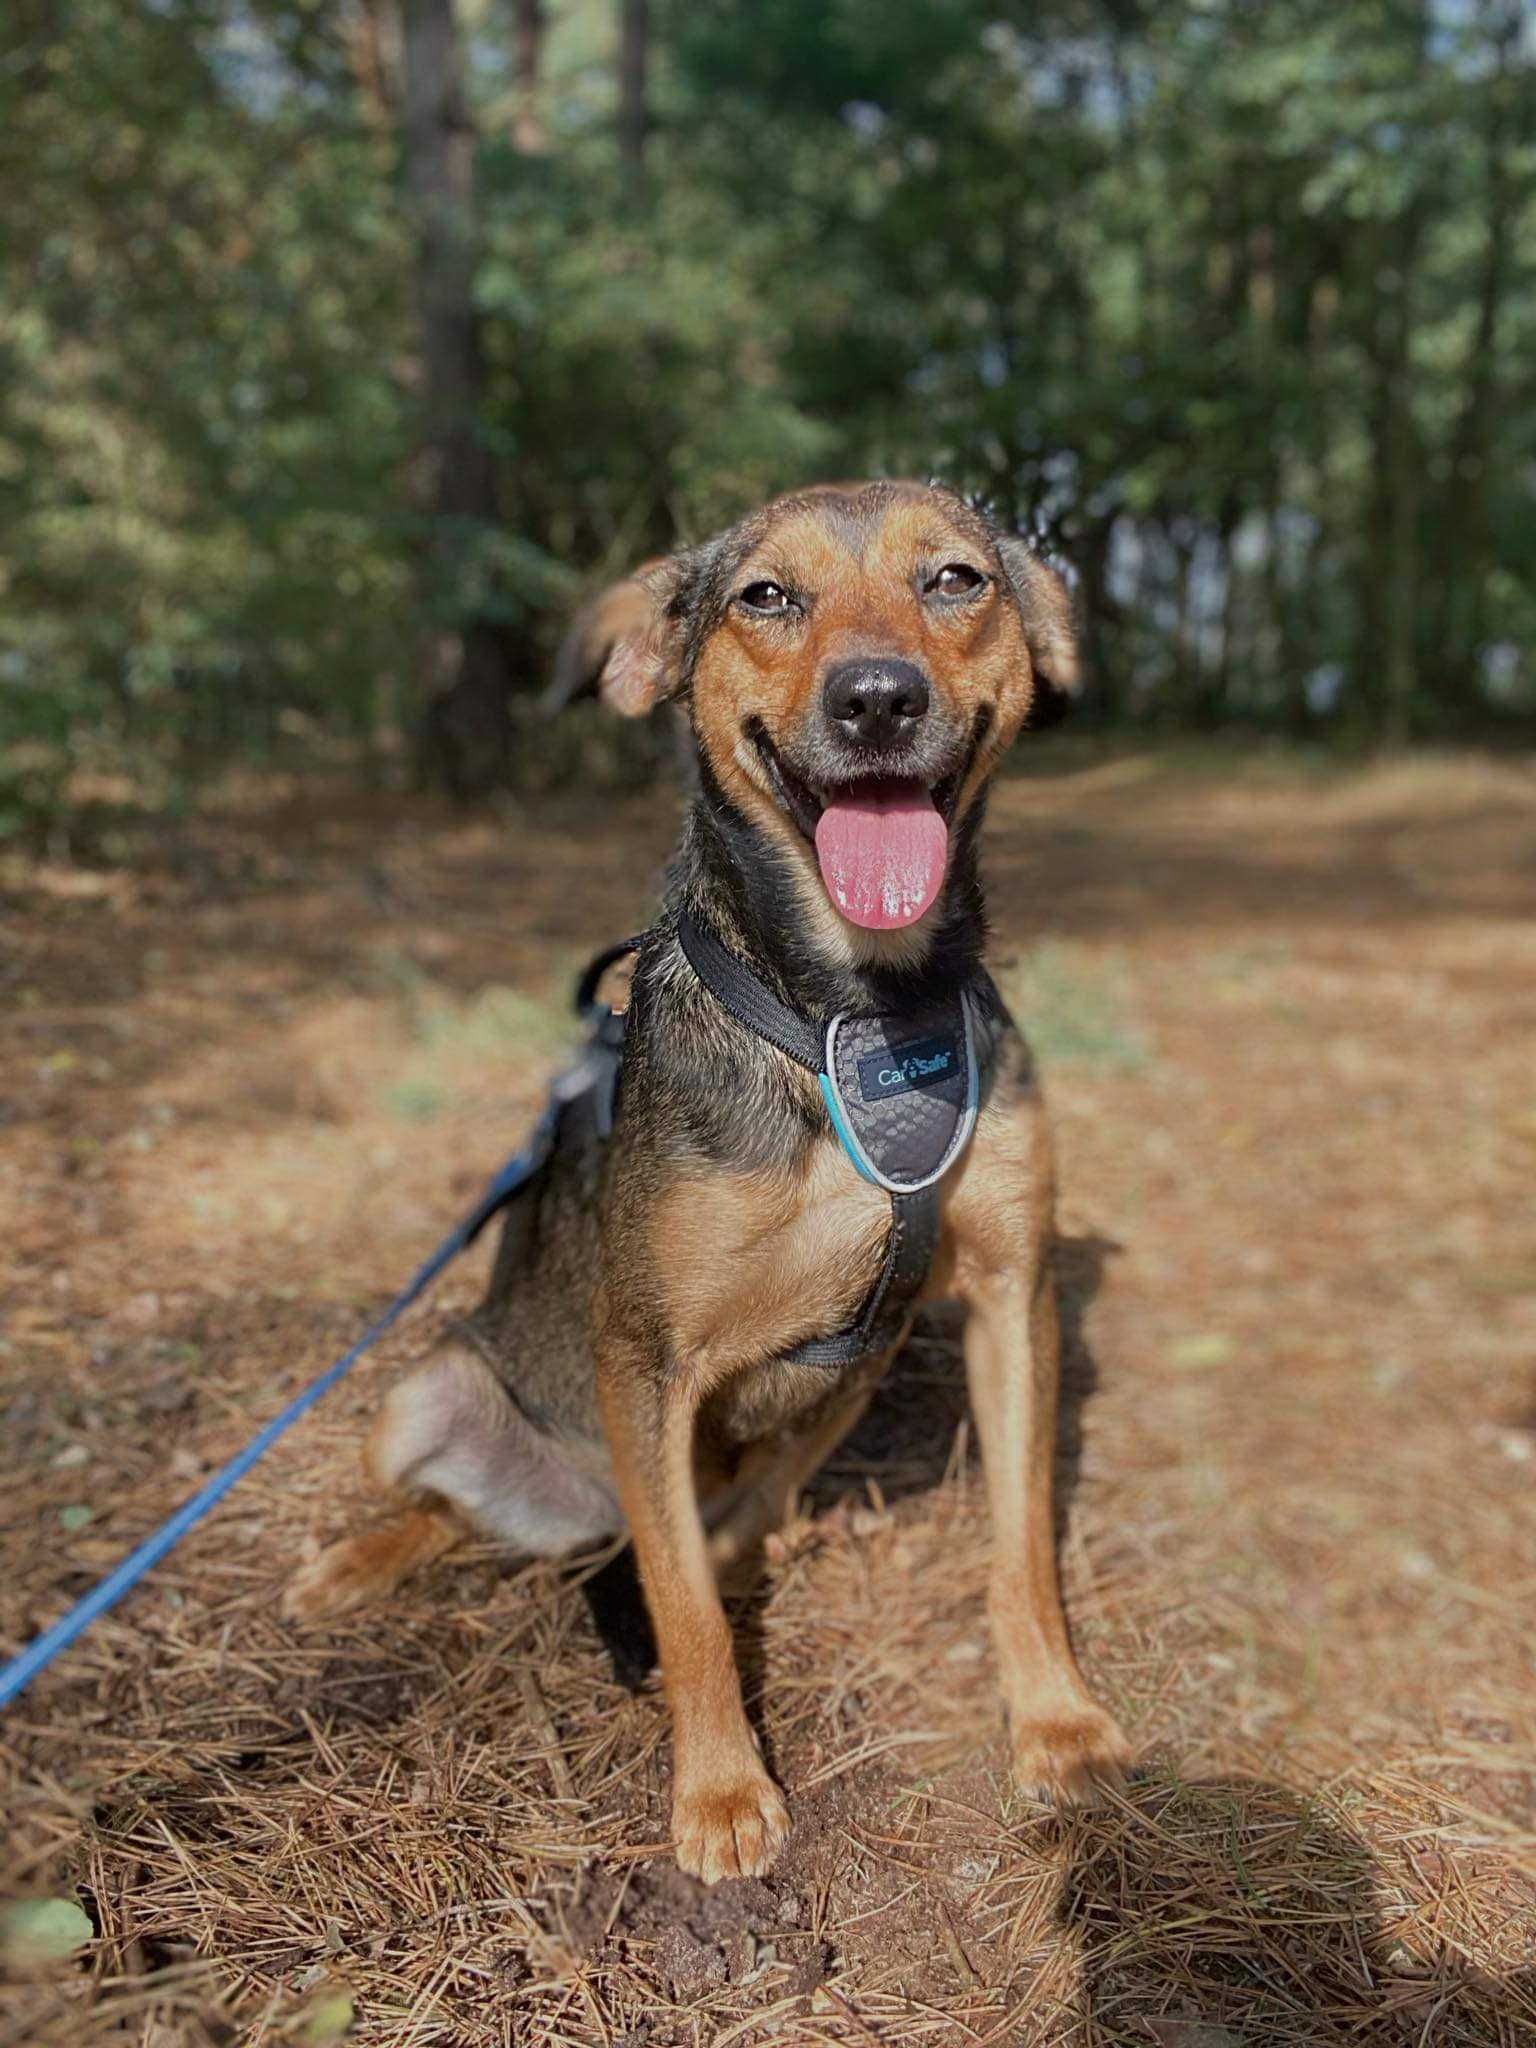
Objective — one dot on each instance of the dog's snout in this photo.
(875, 702)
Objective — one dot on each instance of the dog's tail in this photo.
(622, 609)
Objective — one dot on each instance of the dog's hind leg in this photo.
(370, 1566)
(450, 1439)
(771, 1475)
(746, 1509)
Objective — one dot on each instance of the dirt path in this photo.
(1289, 1026)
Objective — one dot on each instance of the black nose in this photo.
(875, 703)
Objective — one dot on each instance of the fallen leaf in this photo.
(76, 1517)
(327, 2019)
(1209, 1347)
(36, 1932)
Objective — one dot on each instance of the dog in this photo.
(651, 1356)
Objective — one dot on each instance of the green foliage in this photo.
(199, 431)
(1236, 303)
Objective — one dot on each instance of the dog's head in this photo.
(854, 660)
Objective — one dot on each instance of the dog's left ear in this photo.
(1045, 605)
(620, 645)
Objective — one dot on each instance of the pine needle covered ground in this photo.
(249, 1074)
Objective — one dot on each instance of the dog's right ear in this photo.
(621, 645)
(1045, 606)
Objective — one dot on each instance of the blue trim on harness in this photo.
(845, 1137)
(858, 1152)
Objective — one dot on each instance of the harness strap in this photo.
(585, 1002)
(909, 1253)
(736, 988)
(605, 1047)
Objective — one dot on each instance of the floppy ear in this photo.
(1045, 605)
(618, 646)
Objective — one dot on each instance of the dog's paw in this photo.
(338, 1579)
(368, 1566)
(730, 1830)
(1070, 1758)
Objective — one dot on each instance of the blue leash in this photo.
(520, 1168)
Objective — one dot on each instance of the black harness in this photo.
(902, 1090)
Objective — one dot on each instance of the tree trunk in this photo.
(1314, 639)
(1391, 561)
(1185, 694)
(1465, 564)
(1105, 676)
(1400, 475)
(373, 42)
(1221, 690)
(1387, 647)
(528, 132)
(634, 59)
(465, 736)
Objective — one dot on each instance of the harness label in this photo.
(923, 1064)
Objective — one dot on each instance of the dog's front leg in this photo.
(1065, 1746)
(728, 1818)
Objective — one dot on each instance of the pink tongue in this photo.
(883, 850)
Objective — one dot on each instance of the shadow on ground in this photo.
(1233, 1914)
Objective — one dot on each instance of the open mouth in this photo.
(882, 841)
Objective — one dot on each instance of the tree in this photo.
(634, 59)
(199, 434)
(528, 132)
(465, 655)
(343, 339)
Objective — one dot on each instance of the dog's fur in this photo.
(623, 1370)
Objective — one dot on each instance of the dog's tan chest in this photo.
(751, 1264)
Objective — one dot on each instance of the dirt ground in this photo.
(248, 1075)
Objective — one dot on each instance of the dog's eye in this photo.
(955, 579)
(766, 597)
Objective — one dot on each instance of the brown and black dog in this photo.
(853, 661)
